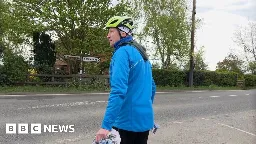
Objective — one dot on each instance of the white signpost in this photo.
(83, 59)
(91, 59)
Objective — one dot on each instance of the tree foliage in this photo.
(15, 67)
(44, 50)
(199, 62)
(252, 67)
(77, 25)
(3, 14)
(166, 23)
(246, 39)
(231, 63)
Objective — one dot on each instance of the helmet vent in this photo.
(114, 21)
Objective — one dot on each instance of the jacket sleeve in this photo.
(119, 84)
(153, 90)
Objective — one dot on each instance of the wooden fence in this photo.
(240, 83)
(48, 79)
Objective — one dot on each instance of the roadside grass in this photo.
(47, 89)
(83, 89)
(198, 88)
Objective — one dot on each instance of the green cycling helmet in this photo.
(119, 22)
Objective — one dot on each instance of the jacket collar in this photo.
(123, 40)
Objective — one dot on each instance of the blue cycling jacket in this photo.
(130, 104)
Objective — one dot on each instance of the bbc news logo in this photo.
(37, 128)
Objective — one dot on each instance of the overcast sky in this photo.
(221, 18)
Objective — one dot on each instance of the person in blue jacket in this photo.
(130, 105)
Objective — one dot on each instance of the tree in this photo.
(252, 67)
(3, 12)
(246, 39)
(1, 49)
(44, 52)
(166, 23)
(78, 25)
(15, 67)
(199, 62)
(231, 63)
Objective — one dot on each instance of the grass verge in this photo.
(52, 89)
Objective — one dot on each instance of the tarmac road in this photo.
(185, 117)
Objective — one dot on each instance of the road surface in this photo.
(186, 117)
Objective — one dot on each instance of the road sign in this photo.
(91, 59)
(66, 56)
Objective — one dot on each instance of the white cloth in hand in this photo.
(112, 138)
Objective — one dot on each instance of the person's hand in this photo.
(101, 134)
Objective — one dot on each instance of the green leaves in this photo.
(74, 22)
(166, 23)
(15, 68)
(76, 25)
(252, 67)
(199, 62)
(177, 78)
(230, 63)
(44, 50)
(250, 80)
(246, 40)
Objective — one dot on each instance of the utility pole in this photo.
(81, 68)
(191, 68)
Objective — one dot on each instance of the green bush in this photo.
(3, 77)
(250, 80)
(169, 78)
(226, 79)
(200, 78)
(15, 67)
(203, 78)
(207, 78)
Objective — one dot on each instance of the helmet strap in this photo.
(120, 33)
(124, 29)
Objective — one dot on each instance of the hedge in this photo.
(250, 80)
(169, 78)
(200, 78)
(3, 77)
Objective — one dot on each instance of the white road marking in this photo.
(10, 95)
(237, 129)
(214, 96)
(195, 91)
(177, 122)
(231, 90)
(13, 95)
(104, 93)
(162, 92)
(233, 95)
(205, 119)
(247, 94)
(233, 128)
(54, 94)
(68, 140)
(98, 93)
(63, 105)
(51, 94)
(100, 101)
